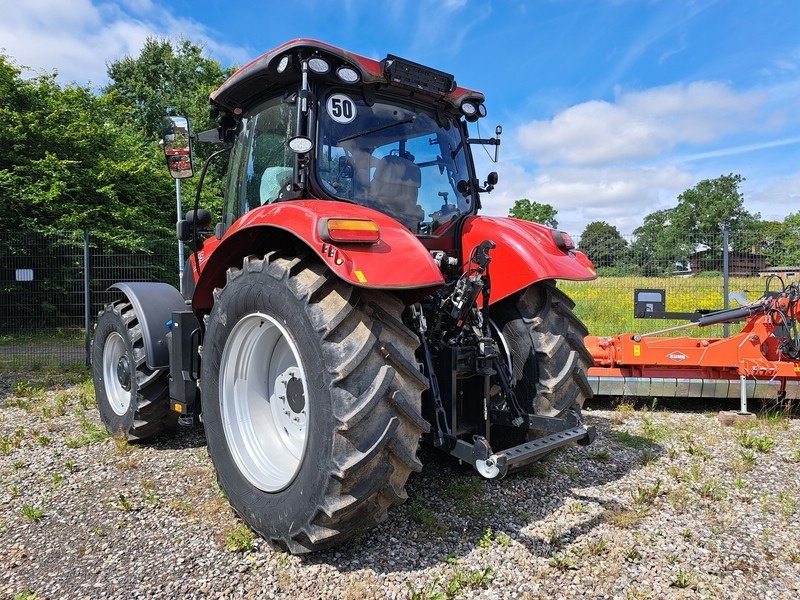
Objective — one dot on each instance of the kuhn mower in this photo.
(349, 302)
(761, 361)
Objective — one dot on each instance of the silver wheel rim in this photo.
(117, 392)
(263, 402)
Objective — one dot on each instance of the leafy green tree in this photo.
(164, 79)
(712, 204)
(658, 245)
(668, 237)
(176, 79)
(534, 211)
(790, 243)
(66, 164)
(603, 244)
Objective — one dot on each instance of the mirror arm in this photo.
(197, 201)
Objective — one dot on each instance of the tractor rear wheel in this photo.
(131, 397)
(543, 339)
(311, 401)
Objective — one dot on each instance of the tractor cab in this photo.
(310, 121)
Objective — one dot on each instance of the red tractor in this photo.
(349, 303)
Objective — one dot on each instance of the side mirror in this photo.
(177, 146)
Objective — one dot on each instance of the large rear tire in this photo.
(311, 401)
(549, 362)
(131, 397)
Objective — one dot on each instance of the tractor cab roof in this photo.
(282, 66)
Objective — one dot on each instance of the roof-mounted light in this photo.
(319, 65)
(481, 110)
(469, 109)
(348, 75)
(283, 63)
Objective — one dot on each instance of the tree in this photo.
(603, 244)
(657, 245)
(164, 79)
(534, 211)
(65, 163)
(170, 79)
(670, 236)
(711, 204)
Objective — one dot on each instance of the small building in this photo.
(785, 273)
(740, 264)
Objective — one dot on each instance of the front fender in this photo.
(526, 252)
(153, 303)
(397, 262)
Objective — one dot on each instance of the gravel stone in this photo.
(665, 504)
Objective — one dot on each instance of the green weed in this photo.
(644, 496)
(712, 490)
(762, 443)
(91, 434)
(685, 579)
(240, 539)
(601, 454)
(562, 561)
(423, 515)
(34, 514)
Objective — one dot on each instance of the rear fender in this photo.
(526, 253)
(154, 304)
(397, 262)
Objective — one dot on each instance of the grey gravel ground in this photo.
(663, 505)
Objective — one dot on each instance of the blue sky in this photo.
(610, 108)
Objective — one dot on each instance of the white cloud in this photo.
(618, 195)
(78, 38)
(773, 198)
(640, 124)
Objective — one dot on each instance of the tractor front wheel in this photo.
(311, 401)
(543, 339)
(131, 397)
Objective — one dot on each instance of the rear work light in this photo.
(356, 231)
(563, 240)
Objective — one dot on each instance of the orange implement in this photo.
(765, 353)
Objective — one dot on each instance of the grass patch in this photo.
(605, 305)
(34, 514)
(625, 518)
(761, 443)
(466, 493)
(656, 431)
(425, 517)
(601, 454)
(562, 561)
(90, 434)
(240, 539)
(630, 440)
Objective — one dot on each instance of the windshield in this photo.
(393, 158)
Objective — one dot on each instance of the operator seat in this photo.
(395, 188)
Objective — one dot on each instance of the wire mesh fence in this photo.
(47, 296)
(690, 270)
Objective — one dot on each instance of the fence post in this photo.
(725, 275)
(87, 303)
